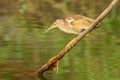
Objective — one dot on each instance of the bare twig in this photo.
(73, 42)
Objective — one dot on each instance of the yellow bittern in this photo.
(72, 24)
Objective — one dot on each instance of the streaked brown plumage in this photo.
(72, 24)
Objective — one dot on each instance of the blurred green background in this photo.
(24, 48)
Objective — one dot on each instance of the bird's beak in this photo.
(51, 27)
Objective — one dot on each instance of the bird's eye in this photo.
(82, 30)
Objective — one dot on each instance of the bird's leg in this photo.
(53, 67)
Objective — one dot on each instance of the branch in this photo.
(54, 60)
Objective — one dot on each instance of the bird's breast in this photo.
(67, 29)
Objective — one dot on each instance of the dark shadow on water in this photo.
(42, 77)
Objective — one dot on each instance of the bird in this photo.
(72, 24)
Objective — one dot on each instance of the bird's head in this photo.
(54, 25)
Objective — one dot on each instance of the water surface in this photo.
(24, 48)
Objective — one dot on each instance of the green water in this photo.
(24, 48)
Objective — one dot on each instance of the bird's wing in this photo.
(78, 22)
(78, 25)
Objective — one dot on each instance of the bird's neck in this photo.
(67, 28)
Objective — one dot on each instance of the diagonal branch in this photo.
(73, 42)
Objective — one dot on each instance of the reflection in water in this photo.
(24, 48)
(41, 77)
